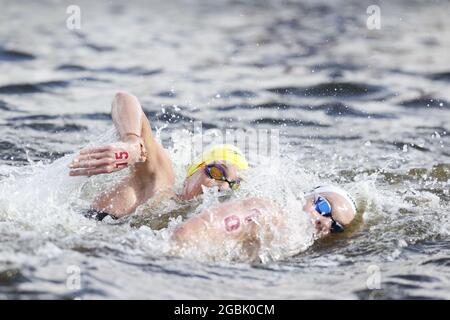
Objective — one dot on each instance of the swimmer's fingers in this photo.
(94, 156)
(100, 149)
(92, 163)
(92, 171)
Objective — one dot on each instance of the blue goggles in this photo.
(323, 207)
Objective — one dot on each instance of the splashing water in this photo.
(45, 200)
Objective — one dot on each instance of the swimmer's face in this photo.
(342, 212)
(193, 184)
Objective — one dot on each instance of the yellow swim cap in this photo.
(219, 152)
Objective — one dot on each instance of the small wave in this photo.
(426, 102)
(289, 122)
(71, 67)
(23, 88)
(11, 276)
(439, 172)
(100, 48)
(335, 66)
(415, 277)
(169, 115)
(441, 130)
(268, 105)
(92, 79)
(239, 94)
(278, 106)
(35, 122)
(93, 116)
(439, 262)
(331, 89)
(133, 70)
(340, 138)
(12, 152)
(14, 56)
(20, 89)
(139, 71)
(401, 146)
(340, 109)
(50, 127)
(167, 94)
(4, 106)
(34, 117)
(441, 76)
(272, 105)
(90, 116)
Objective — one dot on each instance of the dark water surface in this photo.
(366, 109)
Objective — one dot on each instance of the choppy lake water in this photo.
(365, 109)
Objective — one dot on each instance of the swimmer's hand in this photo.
(109, 158)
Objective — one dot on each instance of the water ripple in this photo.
(15, 56)
(330, 89)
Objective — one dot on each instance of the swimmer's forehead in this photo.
(329, 195)
(335, 191)
(224, 163)
(333, 196)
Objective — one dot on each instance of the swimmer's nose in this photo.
(223, 186)
(323, 224)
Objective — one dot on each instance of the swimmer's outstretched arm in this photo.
(243, 221)
(151, 168)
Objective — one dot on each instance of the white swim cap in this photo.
(339, 191)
